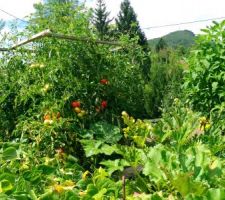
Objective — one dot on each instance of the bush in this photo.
(204, 81)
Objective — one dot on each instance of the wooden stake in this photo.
(124, 187)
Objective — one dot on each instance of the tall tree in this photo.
(127, 23)
(101, 19)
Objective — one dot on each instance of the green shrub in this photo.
(204, 81)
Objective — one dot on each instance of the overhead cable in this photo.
(13, 16)
(182, 23)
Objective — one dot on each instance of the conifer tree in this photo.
(101, 20)
(127, 23)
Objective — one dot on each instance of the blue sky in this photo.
(149, 12)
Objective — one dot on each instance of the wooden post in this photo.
(124, 187)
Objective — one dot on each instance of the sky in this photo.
(149, 12)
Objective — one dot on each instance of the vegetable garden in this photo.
(74, 122)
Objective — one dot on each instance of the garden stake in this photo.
(124, 187)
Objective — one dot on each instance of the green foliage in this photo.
(179, 126)
(128, 24)
(204, 83)
(62, 136)
(161, 45)
(53, 65)
(165, 82)
(137, 130)
(105, 132)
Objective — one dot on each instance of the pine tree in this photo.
(127, 23)
(101, 20)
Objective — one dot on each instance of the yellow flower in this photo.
(203, 119)
(124, 113)
(69, 183)
(58, 188)
(82, 193)
(214, 164)
(84, 175)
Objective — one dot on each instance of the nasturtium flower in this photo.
(104, 104)
(104, 81)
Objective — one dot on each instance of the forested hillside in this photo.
(175, 39)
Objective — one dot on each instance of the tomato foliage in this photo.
(62, 135)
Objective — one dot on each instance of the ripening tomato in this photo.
(48, 121)
(80, 115)
(77, 110)
(104, 104)
(75, 104)
(104, 81)
(83, 112)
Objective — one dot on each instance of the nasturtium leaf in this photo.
(9, 153)
(106, 132)
(91, 147)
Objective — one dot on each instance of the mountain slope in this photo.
(183, 38)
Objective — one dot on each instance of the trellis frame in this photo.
(49, 33)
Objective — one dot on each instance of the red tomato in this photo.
(104, 104)
(75, 104)
(104, 81)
